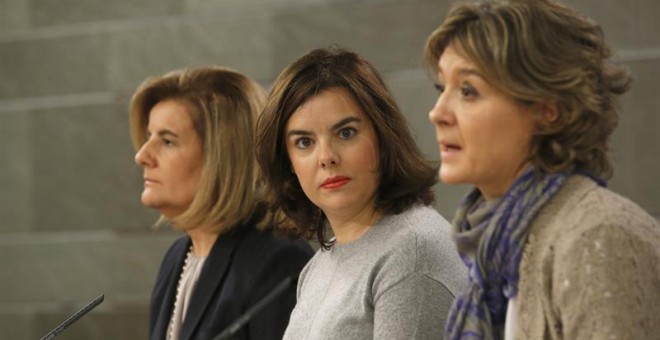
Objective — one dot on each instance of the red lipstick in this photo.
(335, 182)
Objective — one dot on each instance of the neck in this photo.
(350, 228)
(493, 191)
(202, 241)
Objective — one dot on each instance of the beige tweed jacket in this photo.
(590, 268)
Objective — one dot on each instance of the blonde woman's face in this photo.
(171, 158)
(484, 135)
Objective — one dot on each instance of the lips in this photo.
(448, 147)
(148, 180)
(335, 182)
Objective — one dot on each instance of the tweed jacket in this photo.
(590, 268)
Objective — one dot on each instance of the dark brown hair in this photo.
(406, 176)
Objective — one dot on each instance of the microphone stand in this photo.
(73, 318)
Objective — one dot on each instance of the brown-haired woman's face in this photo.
(484, 135)
(333, 148)
(171, 158)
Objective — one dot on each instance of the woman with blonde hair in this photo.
(193, 131)
(528, 100)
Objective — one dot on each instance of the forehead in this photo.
(326, 106)
(453, 59)
(171, 113)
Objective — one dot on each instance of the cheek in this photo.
(369, 155)
(190, 183)
(301, 168)
(294, 162)
(192, 176)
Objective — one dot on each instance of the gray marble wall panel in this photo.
(415, 94)
(16, 178)
(17, 325)
(14, 15)
(628, 25)
(241, 43)
(74, 267)
(383, 33)
(84, 173)
(636, 144)
(248, 5)
(100, 323)
(66, 12)
(42, 67)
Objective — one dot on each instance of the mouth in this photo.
(335, 182)
(449, 147)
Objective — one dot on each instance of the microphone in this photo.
(73, 318)
(234, 327)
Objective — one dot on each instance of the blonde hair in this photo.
(224, 106)
(539, 51)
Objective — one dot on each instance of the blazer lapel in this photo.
(166, 291)
(213, 272)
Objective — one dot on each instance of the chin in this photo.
(449, 177)
(149, 202)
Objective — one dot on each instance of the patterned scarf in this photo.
(491, 247)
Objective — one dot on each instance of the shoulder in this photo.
(583, 208)
(419, 224)
(602, 243)
(263, 260)
(603, 218)
(263, 247)
(316, 263)
(590, 228)
(420, 242)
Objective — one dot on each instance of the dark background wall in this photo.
(71, 225)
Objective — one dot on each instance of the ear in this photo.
(548, 112)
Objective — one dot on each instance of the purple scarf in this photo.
(491, 247)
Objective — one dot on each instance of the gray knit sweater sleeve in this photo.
(397, 281)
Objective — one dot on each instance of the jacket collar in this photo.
(213, 272)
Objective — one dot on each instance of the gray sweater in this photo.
(397, 281)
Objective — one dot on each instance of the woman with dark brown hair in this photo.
(527, 103)
(336, 152)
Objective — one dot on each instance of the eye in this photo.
(168, 142)
(347, 132)
(439, 87)
(303, 142)
(469, 91)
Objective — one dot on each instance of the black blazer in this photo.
(242, 267)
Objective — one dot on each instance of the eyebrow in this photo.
(335, 126)
(465, 71)
(164, 133)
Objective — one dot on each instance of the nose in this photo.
(328, 155)
(143, 156)
(442, 114)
